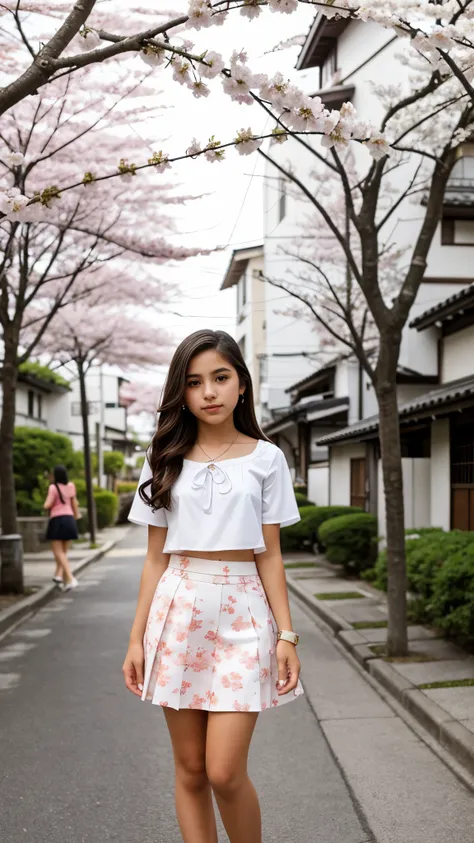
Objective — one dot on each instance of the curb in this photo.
(451, 734)
(11, 617)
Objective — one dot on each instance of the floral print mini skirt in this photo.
(210, 639)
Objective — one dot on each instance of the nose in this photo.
(210, 391)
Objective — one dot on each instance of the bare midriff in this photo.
(221, 555)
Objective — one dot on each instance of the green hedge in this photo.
(125, 487)
(440, 571)
(302, 500)
(452, 602)
(35, 453)
(350, 540)
(106, 506)
(304, 534)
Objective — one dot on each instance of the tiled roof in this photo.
(424, 405)
(448, 307)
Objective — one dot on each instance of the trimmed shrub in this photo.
(35, 452)
(125, 505)
(424, 557)
(302, 500)
(301, 488)
(304, 534)
(452, 602)
(124, 487)
(350, 540)
(114, 462)
(106, 505)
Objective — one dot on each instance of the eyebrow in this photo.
(214, 372)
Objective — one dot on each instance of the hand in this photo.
(133, 668)
(288, 666)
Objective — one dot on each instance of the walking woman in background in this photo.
(212, 640)
(63, 509)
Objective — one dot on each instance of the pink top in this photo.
(53, 501)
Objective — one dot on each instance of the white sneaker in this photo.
(58, 580)
(73, 584)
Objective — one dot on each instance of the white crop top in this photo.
(222, 505)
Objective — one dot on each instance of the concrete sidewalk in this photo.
(357, 614)
(38, 571)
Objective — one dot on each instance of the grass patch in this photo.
(450, 683)
(380, 650)
(338, 595)
(302, 564)
(370, 624)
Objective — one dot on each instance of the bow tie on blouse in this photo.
(205, 478)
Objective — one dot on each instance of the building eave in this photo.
(238, 264)
(321, 37)
(450, 395)
(331, 406)
(445, 310)
(337, 95)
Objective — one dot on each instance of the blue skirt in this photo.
(61, 528)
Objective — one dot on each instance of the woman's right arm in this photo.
(154, 566)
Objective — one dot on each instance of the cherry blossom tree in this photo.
(351, 279)
(55, 253)
(439, 35)
(105, 326)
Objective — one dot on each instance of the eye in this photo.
(191, 383)
(222, 376)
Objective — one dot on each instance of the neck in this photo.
(216, 436)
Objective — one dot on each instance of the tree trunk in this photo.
(87, 451)
(389, 432)
(11, 574)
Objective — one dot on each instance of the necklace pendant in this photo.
(212, 466)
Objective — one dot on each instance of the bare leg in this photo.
(193, 795)
(61, 560)
(228, 740)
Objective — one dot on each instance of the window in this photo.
(39, 399)
(31, 404)
(282, 199)
(93, 408)
(328, 68)
(457, 232)
(241, 344)
(241, 292)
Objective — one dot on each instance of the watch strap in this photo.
(288, 635)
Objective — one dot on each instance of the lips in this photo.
(213, 407)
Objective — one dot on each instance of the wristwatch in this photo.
(288, 635)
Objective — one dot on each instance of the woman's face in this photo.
(211, 381)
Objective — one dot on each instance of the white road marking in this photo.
(32, 633)
(13, 651)
(9, 680)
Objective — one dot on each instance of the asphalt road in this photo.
(84, 761)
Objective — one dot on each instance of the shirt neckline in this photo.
(231, 459)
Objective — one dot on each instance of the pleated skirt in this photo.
(210, 639)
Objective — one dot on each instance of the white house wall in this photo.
(458, 355)
(416, 494)
(340, 466)
(318, 484)
(440, 475)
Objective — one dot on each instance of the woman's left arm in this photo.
(272, 573)
(50, 498)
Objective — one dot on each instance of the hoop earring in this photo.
(184, 406)
(242, 398)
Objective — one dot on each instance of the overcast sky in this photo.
(232, 214)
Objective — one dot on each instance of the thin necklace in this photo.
(213, 459)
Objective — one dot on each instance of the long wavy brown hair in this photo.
(177, 428)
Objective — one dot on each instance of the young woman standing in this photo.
(212, 639)
(63, 509)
